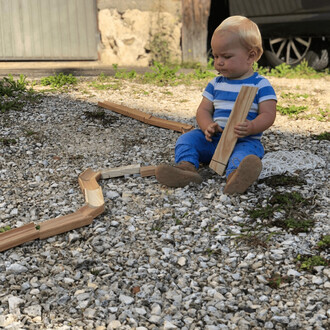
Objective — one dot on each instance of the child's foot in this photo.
(177, 176)
(241, 179)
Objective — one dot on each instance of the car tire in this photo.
(316, 54)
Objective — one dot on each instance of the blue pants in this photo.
(194, 148)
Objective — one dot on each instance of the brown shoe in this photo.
(178, 175)
(241, 179)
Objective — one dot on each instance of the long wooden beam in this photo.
(228, 138)
(145, 117)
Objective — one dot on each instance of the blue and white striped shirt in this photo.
(223, 93)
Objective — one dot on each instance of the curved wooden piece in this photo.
(91, 190)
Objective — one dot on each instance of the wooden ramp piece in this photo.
(18, 236)
(92, 191)
(145, 117)
(228, 138)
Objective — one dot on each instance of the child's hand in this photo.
(244, 129)
(211, 130)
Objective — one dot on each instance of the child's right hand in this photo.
(211, 130)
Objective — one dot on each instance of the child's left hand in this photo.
(244, 129)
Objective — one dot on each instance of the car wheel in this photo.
(294, 50)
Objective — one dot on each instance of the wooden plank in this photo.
(147, 170)
(145, 117)
(120, 171)
(18, 236)
(63, 224)
(228, 138)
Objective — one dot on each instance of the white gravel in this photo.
(157, 258)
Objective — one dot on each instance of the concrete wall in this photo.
(133, 33)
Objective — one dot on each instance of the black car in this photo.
(292, 30)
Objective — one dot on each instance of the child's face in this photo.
(231, 58)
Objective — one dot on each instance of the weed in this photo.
(123, 74)
(14, 94)
(290, 206)
(292, 110)
(283, 180)
(296, 225)
(4, 229)
(105, 119)
(159, 49)
(324, 243)
(7, 142)
(293, 96)
(300, 71)
(59, 80)
(323, 136)
(254, 236)
(308, 263)
(275, 280)
(162, 75)
(323, 115)
(262, 212)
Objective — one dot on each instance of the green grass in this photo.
(325, 136)
(294, 210)
(308, 263)
(324, 243)
(291, 111)
(59, 80)
(15, 93)
(4, 229)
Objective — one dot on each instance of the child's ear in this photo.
(252, 55)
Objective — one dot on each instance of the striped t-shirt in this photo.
(223, 93)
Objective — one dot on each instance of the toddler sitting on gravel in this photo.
(236, 45)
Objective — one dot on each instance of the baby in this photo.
(236, 45)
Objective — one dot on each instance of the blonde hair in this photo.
(247, 31)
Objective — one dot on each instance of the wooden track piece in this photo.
(91, 189)
(147, 170)
(228, 138)
(18, 236)
(146, 118)
(93, 212)
(63, 224)
(120, 171)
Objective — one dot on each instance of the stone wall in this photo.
(134, 37)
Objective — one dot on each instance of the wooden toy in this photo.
(228, 138)
(145, 117)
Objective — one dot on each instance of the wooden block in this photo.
(147, 170)
(120, 171)
(18, 236)
(146, 118)
(228, 138)
(63, 224)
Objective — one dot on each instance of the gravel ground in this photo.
(157, 258)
